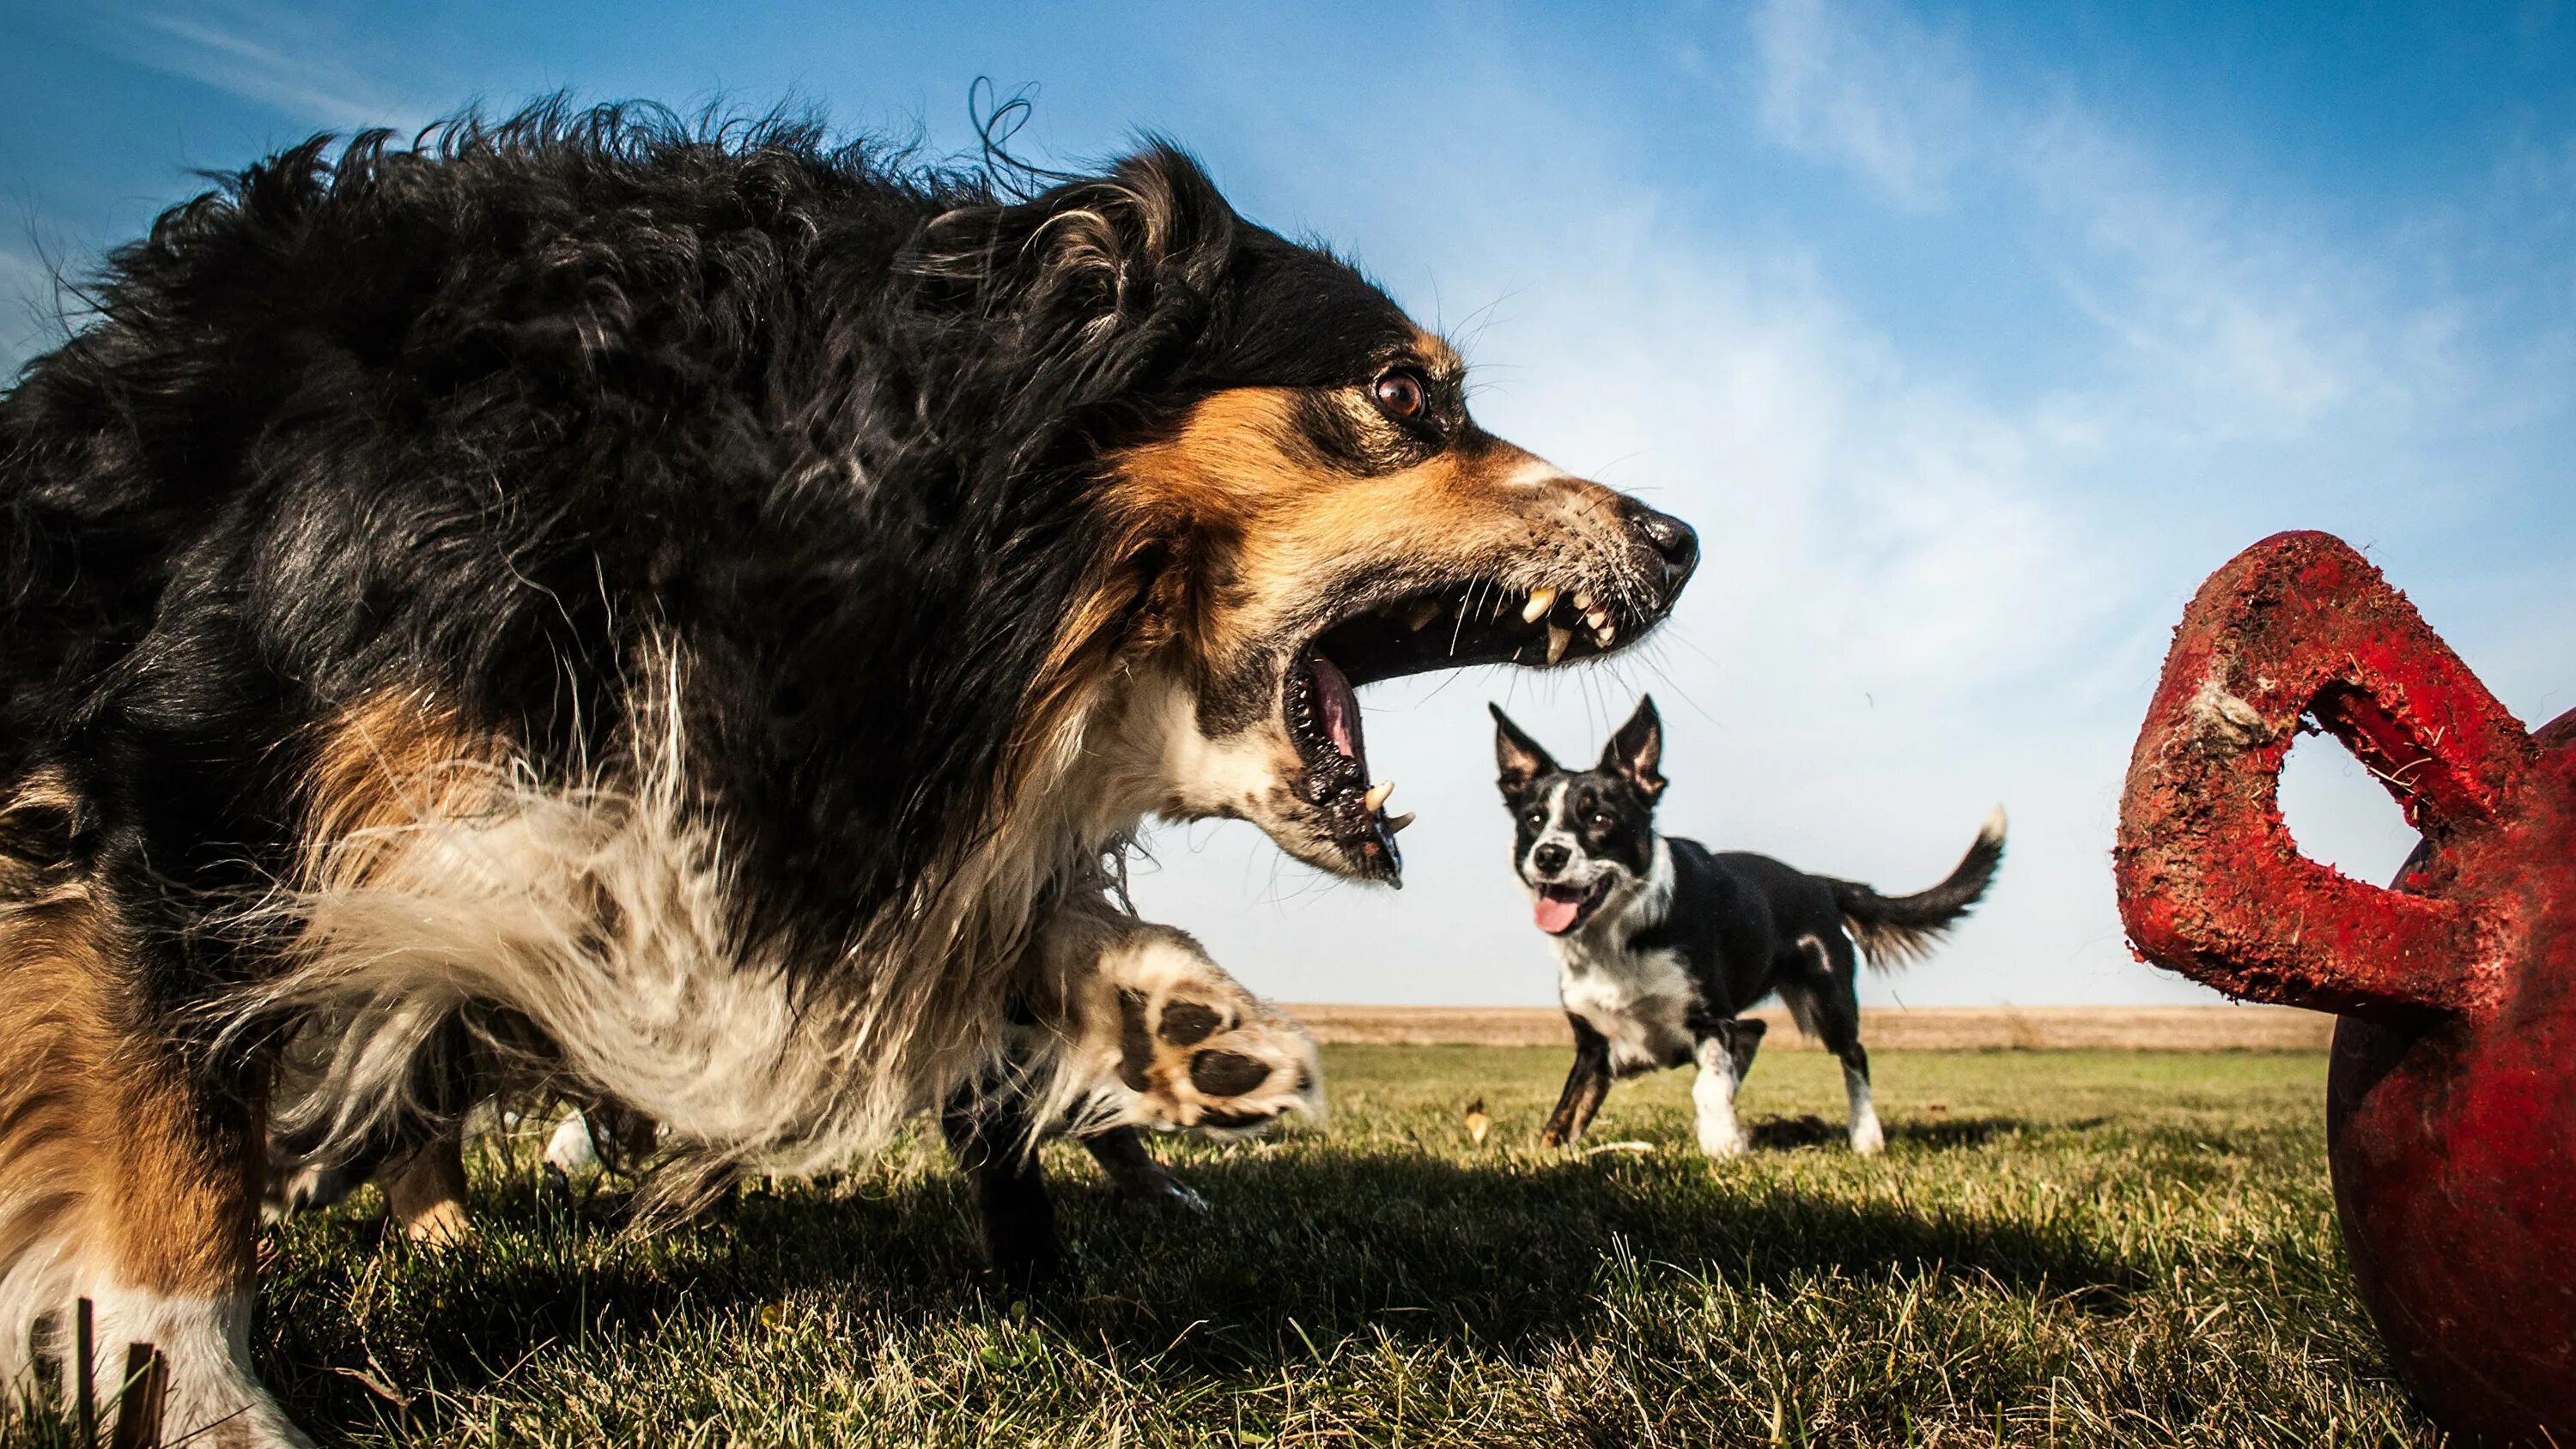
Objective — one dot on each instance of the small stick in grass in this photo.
(84, 1365)
(138, 1406)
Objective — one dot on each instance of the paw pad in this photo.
(1198, 1051)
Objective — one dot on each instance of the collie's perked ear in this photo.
(1636, 751)
(1518, 759)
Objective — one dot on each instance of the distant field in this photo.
(1928, 1028)
(2059, 1248)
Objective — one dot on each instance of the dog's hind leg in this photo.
(1586, 1084)
(126, 1177)
(1832, 1012)
(1867, 1136)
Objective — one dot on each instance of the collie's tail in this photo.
(1894, 931)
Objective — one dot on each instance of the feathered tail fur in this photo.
(1895, 931)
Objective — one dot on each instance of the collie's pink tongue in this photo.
(1555, 914)
(1341, 711)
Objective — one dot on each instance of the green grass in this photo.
(2069, 1248)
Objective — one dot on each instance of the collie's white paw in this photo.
(1867, 1138)
(1723, 1139)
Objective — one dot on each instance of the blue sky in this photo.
(1971, 336)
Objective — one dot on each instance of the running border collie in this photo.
(1661, 944)
(704, 609)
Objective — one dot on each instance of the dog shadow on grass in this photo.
(1933, 1134)
(1301, 1246)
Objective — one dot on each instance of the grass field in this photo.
(2058, 1248)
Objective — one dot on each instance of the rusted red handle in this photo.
(2211, 884)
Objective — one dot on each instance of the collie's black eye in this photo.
(1402, 394)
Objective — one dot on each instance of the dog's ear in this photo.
(1636, 752)
(1096, 275)
(1517, 757)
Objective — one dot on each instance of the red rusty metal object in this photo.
(2451, 1099)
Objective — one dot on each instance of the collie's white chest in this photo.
(1640, 1002)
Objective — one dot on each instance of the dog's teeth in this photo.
(1583, 600)
(1599, 619)
(1377, 794)
(1557, 639)
(1540, 601)
(1395, 823)
(1605, 634)
(1424, 611)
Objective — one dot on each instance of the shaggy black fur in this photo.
(498, 409)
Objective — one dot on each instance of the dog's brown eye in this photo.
(1401, 394)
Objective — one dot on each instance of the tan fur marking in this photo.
(100, 1144)
(1276, 520)
(1438, 358)
(397, 759)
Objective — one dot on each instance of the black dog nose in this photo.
(1550, 857)
(1672, 540)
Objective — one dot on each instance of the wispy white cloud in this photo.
(1874, 90)
(279, 57)
(2234, 317)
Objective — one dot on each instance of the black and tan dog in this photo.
(1662, 944)
(700, 612)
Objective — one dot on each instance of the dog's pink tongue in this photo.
(1341, 708)
(1556, 916)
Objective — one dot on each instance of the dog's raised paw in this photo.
(1198, 1052)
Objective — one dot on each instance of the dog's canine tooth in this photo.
(1557, 639)
(1377, 794)
(1540, 601)
(1395, 823)
(1424, 611)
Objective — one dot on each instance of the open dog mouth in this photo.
(1560, 908)
(1447, 627)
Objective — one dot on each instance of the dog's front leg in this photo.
(1141, 1179)
(1723, 1053)
(990, 1134)
(1585, 1085)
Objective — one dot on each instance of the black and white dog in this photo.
(1662, 942)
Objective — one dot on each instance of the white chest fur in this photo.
(1638, 1000)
